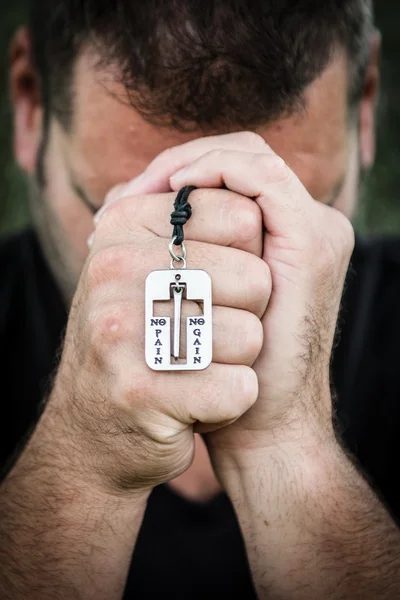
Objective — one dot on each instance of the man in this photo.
(268, 109)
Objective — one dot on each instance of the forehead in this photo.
(110, 141)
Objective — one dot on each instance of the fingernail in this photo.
(90, 240)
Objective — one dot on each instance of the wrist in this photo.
(58, 456)
(305, 428)
(292, 486)
(290, 455)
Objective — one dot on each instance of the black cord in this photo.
(181, 214)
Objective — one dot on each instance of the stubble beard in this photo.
(53, 241)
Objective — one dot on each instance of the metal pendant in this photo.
(164, 351)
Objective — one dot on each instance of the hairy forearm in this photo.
(313, 527)
(60, 536)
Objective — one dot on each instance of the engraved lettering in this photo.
(195, 321)
(158, 322)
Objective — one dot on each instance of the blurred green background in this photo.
(380, 207)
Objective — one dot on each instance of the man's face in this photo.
(110, 143)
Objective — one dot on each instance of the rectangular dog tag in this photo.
(163, 333)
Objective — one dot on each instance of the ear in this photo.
(24, 83)
(368, 105)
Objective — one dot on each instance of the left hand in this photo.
(307, 246)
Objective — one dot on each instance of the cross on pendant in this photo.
(178, 290)
(163, 334)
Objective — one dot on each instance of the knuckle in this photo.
(108, 264)
(259, 286)
(165, 157)
(216, 154)
(246, 219)
(113, 210)
(246, 386)
(251, 139)
(113, 325)
(220, 402)
(231, 402)
(137, 388)
(279, 170)
(274, 167)
(117, 213)
(252, 337)
(170, 160)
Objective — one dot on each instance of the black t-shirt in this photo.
(187, 549)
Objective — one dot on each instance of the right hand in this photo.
(125, 425)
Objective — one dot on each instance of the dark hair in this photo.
(202, 63)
